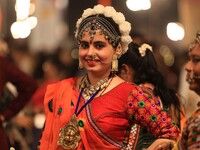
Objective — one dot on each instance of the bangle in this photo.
(2, 118)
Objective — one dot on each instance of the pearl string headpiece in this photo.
(118, 18)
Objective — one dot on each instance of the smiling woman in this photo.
(191, 133)
(97, 110)
(192, 66)
(96, 55)
(190, 139)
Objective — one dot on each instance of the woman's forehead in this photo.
(97, 36)
(195, 50)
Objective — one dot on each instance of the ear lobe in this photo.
(124, 72)
(127, 73)
(126, 68)
(119, 50)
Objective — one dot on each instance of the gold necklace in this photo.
(69, 135)
(89, 90)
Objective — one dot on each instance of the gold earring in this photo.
(80, 64)
(114, 63)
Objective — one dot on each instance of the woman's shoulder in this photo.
(60, 86)
(71, 80)
(147, 86)
(65, 82)
(120, 83)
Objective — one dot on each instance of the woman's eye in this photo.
(99, 46)
(84, 45)
(196, 60)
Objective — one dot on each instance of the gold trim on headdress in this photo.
(195, 41)
(91, 24)
(118, 18)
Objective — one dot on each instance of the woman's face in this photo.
(193, 69)
(96, 54)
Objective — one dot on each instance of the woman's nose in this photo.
(188, 66)
(91, 50)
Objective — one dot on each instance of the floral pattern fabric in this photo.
(191, 133)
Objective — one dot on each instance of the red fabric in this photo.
(104, 121)
(111, 116)
(37, 99)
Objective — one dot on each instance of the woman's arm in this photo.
(143, 110)
(162, 144)
(24, 84)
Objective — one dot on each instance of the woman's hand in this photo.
(162, 144)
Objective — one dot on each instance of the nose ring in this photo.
(93, 57)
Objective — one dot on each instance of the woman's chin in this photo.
(194, 86)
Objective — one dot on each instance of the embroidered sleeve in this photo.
(143, 110)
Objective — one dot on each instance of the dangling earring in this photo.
(114, 63)
(80, 64)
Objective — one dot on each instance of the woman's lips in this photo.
(91, 62)
(189, 77)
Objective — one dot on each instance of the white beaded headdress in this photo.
(93, 16)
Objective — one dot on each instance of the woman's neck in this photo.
(94, 78)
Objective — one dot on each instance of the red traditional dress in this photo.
(106, 121)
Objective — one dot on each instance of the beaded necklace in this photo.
(89, 90)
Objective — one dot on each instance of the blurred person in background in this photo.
(189, 98)
(12, 102)
(4, 50)
(190, 139)
(52, 70)
(138, 65)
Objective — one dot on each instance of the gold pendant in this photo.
(69, 135)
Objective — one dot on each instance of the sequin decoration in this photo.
(80, 123)
(130, 145)
(50, 105)
(72, 104)
(59, 111)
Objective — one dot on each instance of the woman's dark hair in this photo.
(146, 70)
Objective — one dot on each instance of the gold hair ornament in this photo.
(118, 18)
